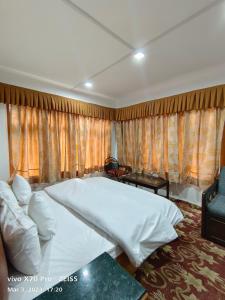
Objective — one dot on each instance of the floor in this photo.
(189, 268)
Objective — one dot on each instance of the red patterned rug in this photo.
(189, 268)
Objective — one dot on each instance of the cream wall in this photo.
(4, 151)
(186, 192)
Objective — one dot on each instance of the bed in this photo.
(75, 244)
(79, 239)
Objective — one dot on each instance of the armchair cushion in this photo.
(221, 188)
(217, 206)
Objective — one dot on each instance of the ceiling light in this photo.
(139, 55)
(88, 84)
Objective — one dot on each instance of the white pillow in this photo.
(41, 214)
(21, 189)
(20, 237)
(5, 189)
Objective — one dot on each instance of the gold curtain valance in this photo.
(194, 100)
(10, 94)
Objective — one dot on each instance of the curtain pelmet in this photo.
(14, 95)
(212, 97)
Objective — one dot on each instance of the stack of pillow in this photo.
(25, 219)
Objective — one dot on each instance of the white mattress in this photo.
(75, 244)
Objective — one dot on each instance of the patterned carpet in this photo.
(189, 268)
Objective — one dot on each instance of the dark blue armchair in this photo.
(213, 211)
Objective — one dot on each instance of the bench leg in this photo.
(168, 191)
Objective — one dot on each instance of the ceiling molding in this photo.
(94, 94)
(30, 81)
(9, 70)
(214, 75)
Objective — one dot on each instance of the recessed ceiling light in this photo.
(88, 84)
(139, 55)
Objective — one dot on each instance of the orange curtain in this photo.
(185, 147)
(50, 145)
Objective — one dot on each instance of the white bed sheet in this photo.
(139, 221)
(75, 244)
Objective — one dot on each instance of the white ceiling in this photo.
(138, 21)
(55, 45)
